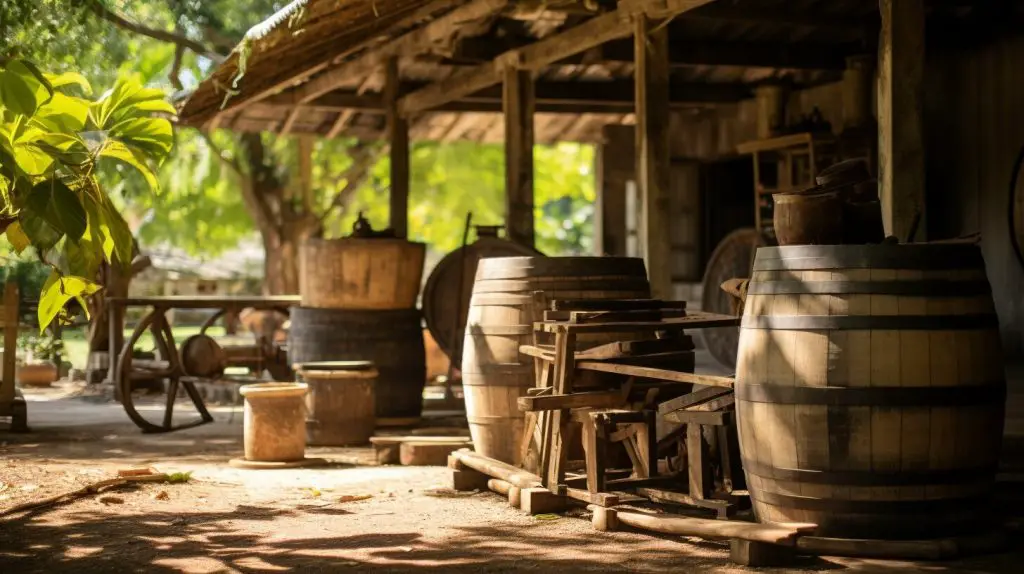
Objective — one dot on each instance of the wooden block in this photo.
(541, 501)
(750, 553)
(592, 399)
(468, 479)
(427, 453)
(605, 519)
(388, 453)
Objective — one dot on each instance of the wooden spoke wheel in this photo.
(731, 258)
(166, 368)
(274, 359)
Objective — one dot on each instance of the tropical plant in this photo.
(52, 144)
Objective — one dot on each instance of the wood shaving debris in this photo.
(162, 495)
(110, 499)
(354, 497)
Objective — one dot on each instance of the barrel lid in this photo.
(445, 308)
(334, 366)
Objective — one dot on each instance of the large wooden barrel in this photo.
(502, 311)
(446, 300)
(341, 402)
(870, 389)
(391, 340)
(360, 273)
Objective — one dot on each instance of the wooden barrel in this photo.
(502, 311)
(391, 340)
(360, 273)
(341, 403)
(202, 356)
(446, 301)
(870, 389)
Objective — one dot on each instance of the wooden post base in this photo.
(541, 501)
(750, 553)
(468, 480)
(605, 519)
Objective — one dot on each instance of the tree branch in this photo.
(98, 8)
(175, 73)
(231, 163)
(354, 176)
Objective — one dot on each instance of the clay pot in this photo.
(274, 422)
(809, 217)
(36, 374)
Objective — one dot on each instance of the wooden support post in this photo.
(605, 519)
(398, 139)
(653, 154)
(756, 554)
(10, 326)
(541, 501)
(518, 105)
(901, 168)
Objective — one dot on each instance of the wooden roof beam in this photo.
(593, 32)
(419, 40)
(743, 54)
(722, 12)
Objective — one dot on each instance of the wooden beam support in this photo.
(518, 102)
(730, 12)
(901, 168)
(653, 153)
(593, 32)
(398, 141)
(420, 40)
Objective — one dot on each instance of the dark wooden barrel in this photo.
(503, 308)
(392, 340)
(341, 403)
(809, 217)
(870, 389)
(730, 259)
(202, 356)
(445, 302)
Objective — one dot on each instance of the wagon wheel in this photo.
(732, 257)
(280, 370)
(168, 369)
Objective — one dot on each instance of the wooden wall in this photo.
(974, 130)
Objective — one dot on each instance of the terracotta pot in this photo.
(37, 374)
(275, 421)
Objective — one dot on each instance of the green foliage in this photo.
(43, 347)
(52, 143)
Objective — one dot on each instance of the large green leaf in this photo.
(154, 135)
(62, 114)
(111, 230)
(22, 89)
(111, 101)
(58, 291)
(70, 79)
(132, 157)
(19, 241)
(59, 206)
(39, 232)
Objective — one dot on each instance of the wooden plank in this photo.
(901, 150)
(614, 304)
(595, 447)
(593, 400)
(497, 469)
(652, 373)
(398, 139)
(693, 320)
(518, 105)
(208, 301)
(714, 418)
(582, 317)
(564, 375)
(10, 312)
(693, 399)
(538, 55)
(715, 529)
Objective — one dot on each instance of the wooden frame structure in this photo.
(12, 403)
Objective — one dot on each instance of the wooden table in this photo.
(169, 368)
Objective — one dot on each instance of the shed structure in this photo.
(668, 90)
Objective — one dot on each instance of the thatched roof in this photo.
(719, 50)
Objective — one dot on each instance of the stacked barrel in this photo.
(359, 304)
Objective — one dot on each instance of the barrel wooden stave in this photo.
(392, 340)
(899, 461)
(502, 311)
(361, 273)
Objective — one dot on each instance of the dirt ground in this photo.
(231, 520)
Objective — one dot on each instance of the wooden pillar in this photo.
(652, 147)
(901, 169)
(615, 166)
(517, 101)
(398, 138)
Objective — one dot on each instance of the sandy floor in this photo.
(231, 520)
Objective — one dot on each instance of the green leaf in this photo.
(58, 206)
(160, 105)
(21, 90)
(19, 241)
(69, 79)
(83, 257)
(39, 232)
(179, 477)
(63, 114)
(134, 158)
(154, 135)
(114, 236)
(57, 292)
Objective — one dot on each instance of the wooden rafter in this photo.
(594, 32)
(417, 41)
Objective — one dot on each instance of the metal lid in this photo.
(334, 366)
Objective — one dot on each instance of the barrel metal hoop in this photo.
(869, 477)
(927, 288)
(918, 257)
(478, 329)
(970, 395)
(892, 507)
(870, 322)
